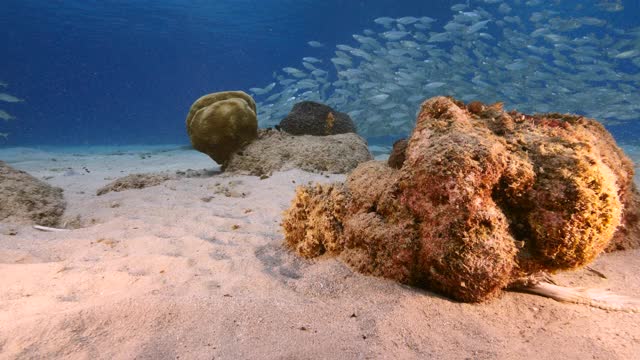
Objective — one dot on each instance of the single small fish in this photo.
(259, 91)
(623, 55)
(287, 82)
(341, 61)
(308, 66)
(318, 72)
(433, 85)
(292, 70)
(486, 36)
(306, 84)
(6, 116)
(311, 59)
(407, 20)
(3, 84)
(439, 37)
(315, 44)
(344, 47)
(366, 40)
(386, 21)
(426, 20)
(394, 35)
(379, 99)
(361, 53)
(477, 26)
(4, 135)
(9, 98)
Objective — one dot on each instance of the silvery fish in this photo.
(341, 61)
(308, 66)
(426, 20)
(623, 55)
(318, 72)
(477, 26)
(311, 59)
(344, 47)
(366, 40)
(439, 37)
(407, 20)
(394, 35)
(259, 91)
(535, 58)
(9, 98)
(386, 21)
(433, 85)
(379, 99)
(6, 116)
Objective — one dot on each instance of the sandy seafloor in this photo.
(195, 269)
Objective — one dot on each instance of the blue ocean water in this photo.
(126, 72)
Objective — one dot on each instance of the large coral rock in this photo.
(279, 151)
(482, 199)
(312, 118)
(27, 200)
(219, 124)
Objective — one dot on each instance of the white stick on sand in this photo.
(601, 299)
(50, 229)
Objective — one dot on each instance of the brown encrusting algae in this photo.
(25, 199)
(483, 199)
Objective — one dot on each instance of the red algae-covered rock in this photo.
(380, 234)
(450, 172)
(482, 199)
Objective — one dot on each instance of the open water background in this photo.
(125, 72)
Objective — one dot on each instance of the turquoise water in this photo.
(125, 72)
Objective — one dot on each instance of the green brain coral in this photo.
(221, 123)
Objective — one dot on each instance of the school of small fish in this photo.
(533, 55)
(3, 114)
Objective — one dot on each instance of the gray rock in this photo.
(279, 151)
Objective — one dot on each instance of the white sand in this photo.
(160, 273)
